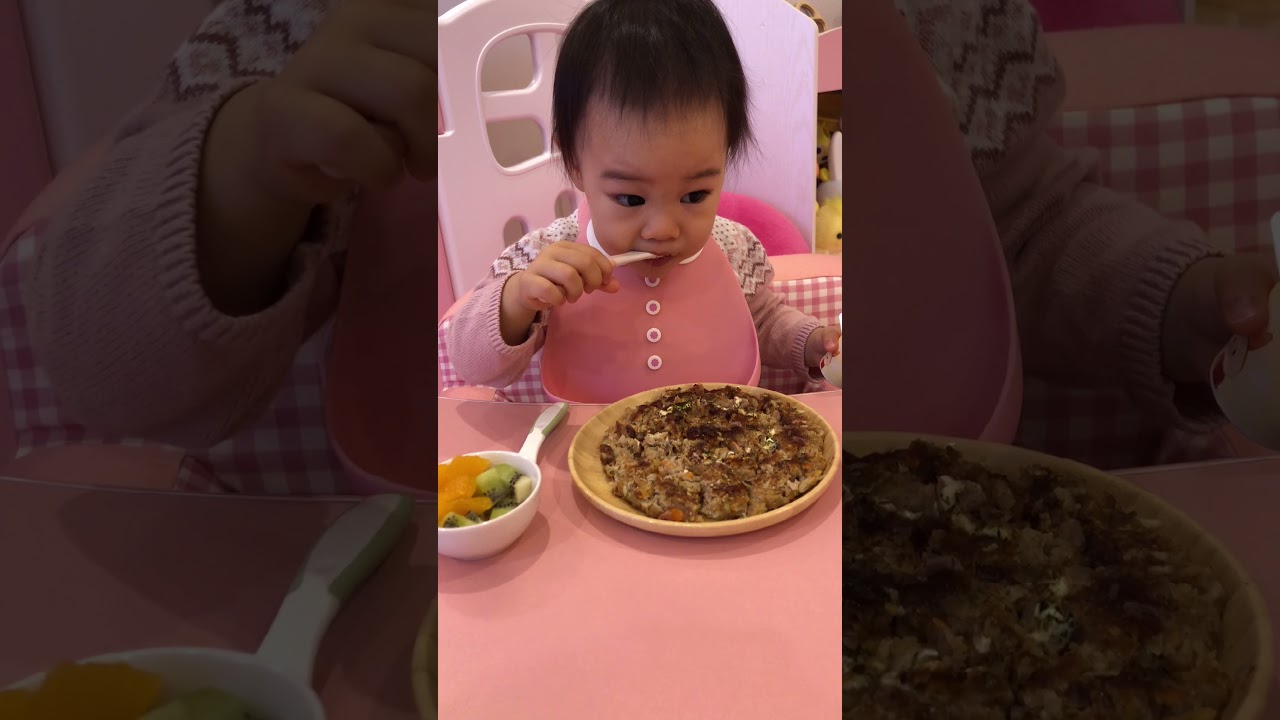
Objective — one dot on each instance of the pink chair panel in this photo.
(26, 166)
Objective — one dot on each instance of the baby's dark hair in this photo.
(650, 56)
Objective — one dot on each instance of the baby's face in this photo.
(653, 184)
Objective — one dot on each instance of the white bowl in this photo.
(492, 537)
(269, 693)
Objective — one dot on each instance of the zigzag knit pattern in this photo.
(240, 39)
(993, 64)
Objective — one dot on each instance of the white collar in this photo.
(595, 243)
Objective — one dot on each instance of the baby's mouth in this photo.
(660, 261)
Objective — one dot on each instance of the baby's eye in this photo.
(628, 200)
(695, 197)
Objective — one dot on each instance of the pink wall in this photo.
(26, 167)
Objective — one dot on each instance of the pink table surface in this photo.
(90, 571)
(1236, 501)
(585, 617)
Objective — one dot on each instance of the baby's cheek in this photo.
(612, 235)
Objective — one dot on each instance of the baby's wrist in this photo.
(514, 320)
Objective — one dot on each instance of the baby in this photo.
(650, 109)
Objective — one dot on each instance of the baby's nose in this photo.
(661, 229)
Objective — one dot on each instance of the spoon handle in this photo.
(344, 556)
(627, 258)
(542, 427)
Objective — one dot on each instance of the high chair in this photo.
(478, 197)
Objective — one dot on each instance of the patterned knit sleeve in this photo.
(118, 317)
(1091, 269)
(783, 331)
(474, 338)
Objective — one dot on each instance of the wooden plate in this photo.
(1247, 652)
(426, 672)
(588, 472)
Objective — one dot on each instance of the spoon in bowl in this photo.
(276, 682)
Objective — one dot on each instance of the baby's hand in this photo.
(1215, 299)
(321, 127)
(824, 340)
(562, 272)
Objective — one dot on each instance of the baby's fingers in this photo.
(539, 293)
(594, 269)
(566, 276)
(605, 267)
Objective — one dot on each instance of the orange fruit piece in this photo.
(458, 487)
(458, 477)
(469, 464)
(106, 691)
(462, 506)
(476, 505)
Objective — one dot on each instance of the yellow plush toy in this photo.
(828, 230)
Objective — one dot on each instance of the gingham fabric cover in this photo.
(1214, 162)
(287, 451)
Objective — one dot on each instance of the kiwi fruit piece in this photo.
(474, 518)
(502, 508)
(522, 488)
(495, 483)
(454, 520)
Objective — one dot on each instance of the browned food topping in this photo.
(697, 455)
(972, 595)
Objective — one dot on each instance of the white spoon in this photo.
(627, 258)
(275, 683)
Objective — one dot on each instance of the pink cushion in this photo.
(1082, 14)
(776, 233)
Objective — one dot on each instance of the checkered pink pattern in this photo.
(287, 451)
(1214, 162)
(818, 296)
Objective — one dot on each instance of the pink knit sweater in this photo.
(481, 357)
(122, 328)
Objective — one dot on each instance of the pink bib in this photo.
(691, 326)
